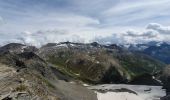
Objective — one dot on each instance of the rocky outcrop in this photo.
(17, 48)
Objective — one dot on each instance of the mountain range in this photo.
(57, 71)
(157, 50)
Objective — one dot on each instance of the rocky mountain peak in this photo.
(17, 48)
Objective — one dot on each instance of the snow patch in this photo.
(117, 96)
(61, 45)
(144, 92)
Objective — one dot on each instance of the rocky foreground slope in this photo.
(25, 76)
(57, 71)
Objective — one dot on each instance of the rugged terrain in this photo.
(57, 71)
(25, 76)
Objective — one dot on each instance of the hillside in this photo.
(95, 63)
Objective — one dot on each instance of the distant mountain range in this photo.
(157, 50)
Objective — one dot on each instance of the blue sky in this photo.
(107, 21)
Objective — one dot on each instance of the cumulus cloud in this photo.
(159, 28)
(153, 32)
(145, 34)
(40, 38)
(114, 38)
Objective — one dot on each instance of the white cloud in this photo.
(40, 38)
(153, 32)
(114, 38)
(146, 33)
(159, 28)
